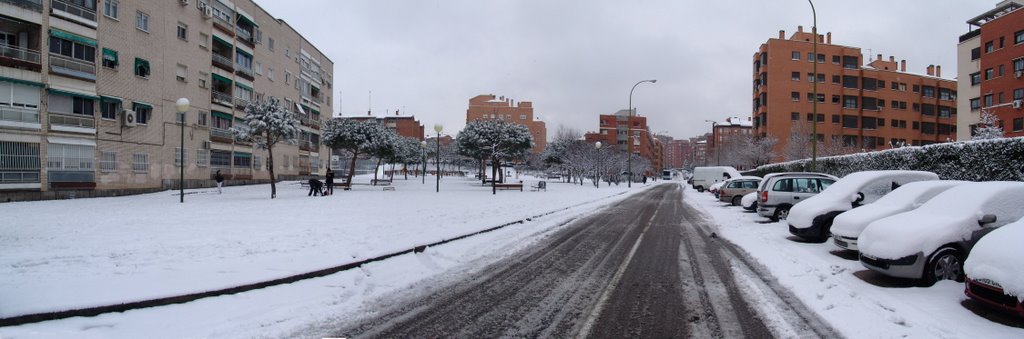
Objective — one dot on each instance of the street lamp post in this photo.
(438, 128)
(714, 140)
(597, 176)
(182, 106)
(814, 90)
(423, 155)
(629, 131)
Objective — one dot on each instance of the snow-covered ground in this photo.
(854, 300)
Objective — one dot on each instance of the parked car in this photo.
(734, 189)
(995, 269)
(932, 241)
(749, 201)
(780, 191)
(812, 218)
(704, 177)
(715, 187)
(666, 175)
(847, 226)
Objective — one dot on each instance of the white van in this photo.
(704, 177)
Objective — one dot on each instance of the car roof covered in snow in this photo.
(905, 198)
(949, 217)
(837, 197)
(999, 257)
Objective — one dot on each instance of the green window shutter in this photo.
(105, 98)
(110, 55)
(142, 67)
(217, 38)
(221, 115)
(68, 36)
(72, 94)
(22, 82)
(220, 77)
(142, 104)
(239, 84)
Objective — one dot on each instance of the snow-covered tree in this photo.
(988, 127)
(494, 140)
(406, 150)
(799, 144)
(266, 124)
(356, 137)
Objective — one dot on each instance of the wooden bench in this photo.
(389, 188)
(509, 186)
(376, 182)
(541, 185)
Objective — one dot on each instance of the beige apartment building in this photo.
(88, 91)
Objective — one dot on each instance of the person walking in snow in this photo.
(315, 187)
(329, 189)
(220, 181)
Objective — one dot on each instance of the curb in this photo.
(180, 299)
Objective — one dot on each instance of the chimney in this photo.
(828, 38)
(782, 34)
(931, 70)
(903, 65)
(799, 29)
(892, 58)
(879, 57)
(367, 112)
(938, 71)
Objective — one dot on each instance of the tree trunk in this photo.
(392, 171)
(494, 167)
(405, 169)
(483, 171)
(270, 160)
(375, 170)
(352, 167)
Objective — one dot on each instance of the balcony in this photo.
(221, 98)
(241, 173)
(223, 62)
(17, 57)
(72, 123)
(241, 102)
(74, 68)
(223, 24)
(221, 135)
(308, 122)
(244, 36)
(19, 177)
(19, 117)
(32, 5)
(308, 146)
(245, 72)
(74, 10)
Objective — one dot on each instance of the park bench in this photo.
(389, 188)
(518, 186)
(541, 185)
(376, 182)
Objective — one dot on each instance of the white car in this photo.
(995, 269)
(847, 226)
(780, 191)
(715, 187)
(932, 241)
(812, 218)
(749, 201)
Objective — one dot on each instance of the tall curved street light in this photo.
(814, 90)
(438, 128)
(182, 106)
(629, 132)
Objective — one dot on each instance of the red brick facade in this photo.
(488, 106)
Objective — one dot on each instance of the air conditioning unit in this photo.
(207, 144)
(128, 117)
(207, 11)
(184, 2)
(1018, 104)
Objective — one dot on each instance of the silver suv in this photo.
(780, 191)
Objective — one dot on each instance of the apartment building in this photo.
(489, 106)
(88, 91)
(619, 128)
(992, 54)
(859, 107)
(725, 137)
(406, 126)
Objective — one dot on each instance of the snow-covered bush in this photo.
(976, 160)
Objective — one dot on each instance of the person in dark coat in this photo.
(315, 187)
(220, 181)
(329, 189)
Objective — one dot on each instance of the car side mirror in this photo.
(857, 198)
(986, 219)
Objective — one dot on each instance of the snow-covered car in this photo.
(931, 242)
(995, 269)
(749, 201)
(734, 189)
(715, 187)
(780, 191)
(812, 218)
(847, 226)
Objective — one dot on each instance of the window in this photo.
(850, 140)
(110, 8)
(917, 88)
(204, 41)
(810, 116)
(256, 163)
(1018, 124)
(142, 68)
(1018, 94)
(202, 157)
(73, 49)
(810, 97)
(810, 57)
(849, 101)
(850, 62)
(821, 97)
(947, 94)
(1002, 70)
(976, 53)
(989, 74)
(836, 99)
(795, 116)
(945, 111)
(521, 116)
(64, 104)
(810, 77)
(109, 108)
(915, 125)
(70, 163)
(1018, 65)
(987, 100)
(821, 78)
(109, 58)
(270, 44)
(140, 162)
(881, 84)
(869, 84)
(179, 154)
(1018, 38)
(849, 121)
(108, 161)
(850, 81)
(201, 118)
(835, 119)
(989, 47)
(869, 123)
(202, 79)
(928, 91)
(257, 67)
(928, 128)
(795, 96)
(270, 73)
(917, 107)
(181, 72)
(835, 59)
(821, 58)
(142, 112)
(869, 103)
(287, 77)
(795, 76)
(182, 31)
(881, 103)
(835, 79)
(142, 21)
(795, 55)
(241, 160)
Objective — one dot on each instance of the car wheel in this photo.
(945, 264)
(736, 200)
(700, 189)
(781, 213)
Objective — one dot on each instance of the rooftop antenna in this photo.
(369, 105)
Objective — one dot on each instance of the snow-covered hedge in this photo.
(976, 160)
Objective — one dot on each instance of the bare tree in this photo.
(799, 144)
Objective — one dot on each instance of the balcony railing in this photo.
(241, 102)
(224, 24)
(307, 146)
(18, 53)
(221, 135)
(223, 62)
(221, 98)
(244, 35)
(307, 121)
(72, 67)
(243, 70)
(73, 9)
(22, 177)
(19, 114)
(35, 5)
(72, 120)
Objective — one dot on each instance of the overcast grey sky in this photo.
(577, 59)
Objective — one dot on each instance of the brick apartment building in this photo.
(489, 106)
(859, 107)
(725, 134)
(616, 129)
(992, 55)
(406, 126)
(88, 91)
